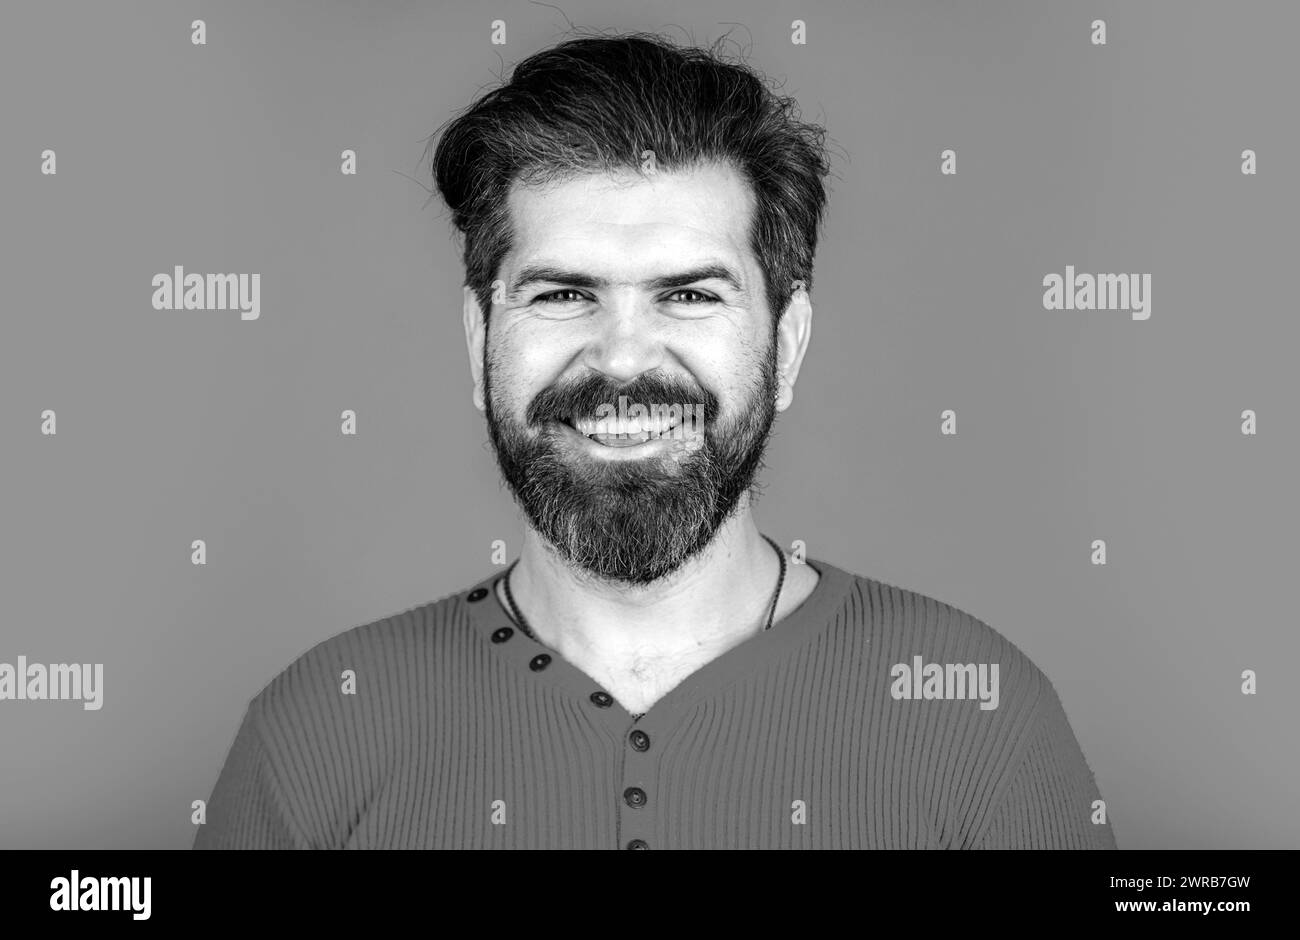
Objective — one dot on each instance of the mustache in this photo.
(580, 399)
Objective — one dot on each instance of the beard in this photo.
(632, 521)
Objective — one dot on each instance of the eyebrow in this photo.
(533, 274)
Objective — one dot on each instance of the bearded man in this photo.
(652, 672)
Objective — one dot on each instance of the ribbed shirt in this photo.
(446, 727)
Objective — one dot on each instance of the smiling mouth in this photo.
(629, 436)
(625, 439)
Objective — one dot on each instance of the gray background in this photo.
(1073, 425)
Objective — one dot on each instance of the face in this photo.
(624, 294)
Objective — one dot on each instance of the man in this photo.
(640, 222)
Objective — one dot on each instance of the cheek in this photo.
(728, 369)
(520, 370)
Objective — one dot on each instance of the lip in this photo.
(651, 447)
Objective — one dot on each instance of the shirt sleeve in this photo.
(247, 809)
(1048, 803)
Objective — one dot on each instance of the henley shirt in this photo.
(459, 731)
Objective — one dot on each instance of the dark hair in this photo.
(594, 104)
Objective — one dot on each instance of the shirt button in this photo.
(501, 634)
(638, 844)
(477, 595)
(603, 699)
(538, 662)
(634, 796)
(640, 740)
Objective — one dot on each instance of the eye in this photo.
(700, 296)
(554, 297)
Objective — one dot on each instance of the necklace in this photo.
(771, 613)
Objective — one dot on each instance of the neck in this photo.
(715, 600)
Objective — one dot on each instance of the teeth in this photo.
(631, 427)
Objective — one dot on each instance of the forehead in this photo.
(629, 223)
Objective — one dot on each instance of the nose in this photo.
(624, 341)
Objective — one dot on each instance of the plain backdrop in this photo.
(1072, 425)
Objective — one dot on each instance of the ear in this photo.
(793, 333)
(475, 336)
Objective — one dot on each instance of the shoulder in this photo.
(327, 725)
(369, 666)
(931, 649)
(947, 686)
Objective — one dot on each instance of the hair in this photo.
(594, 104)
